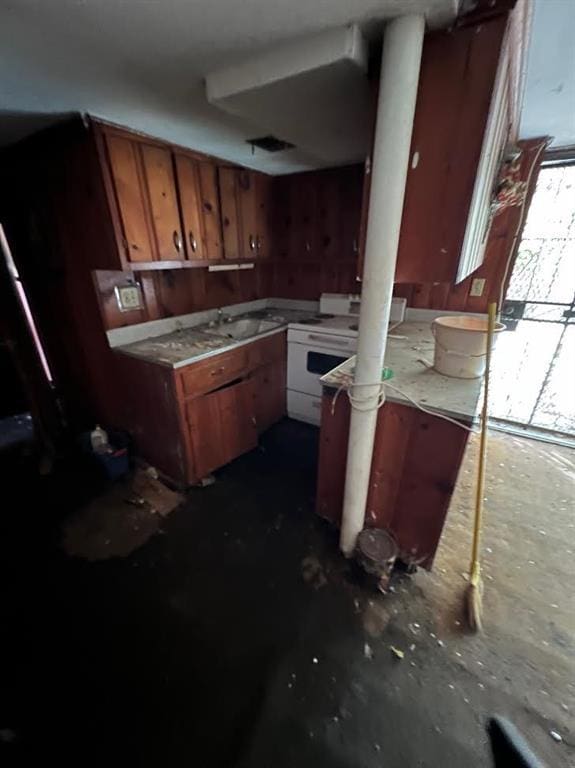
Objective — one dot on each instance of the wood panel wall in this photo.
(501, 242)
(178, 292)
(168, 293)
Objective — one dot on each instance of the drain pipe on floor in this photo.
(400, 63)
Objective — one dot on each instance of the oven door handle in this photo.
(328, 341)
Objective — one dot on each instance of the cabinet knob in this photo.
(258, 243)
(193, 243)
(177, 238)
(252, 243)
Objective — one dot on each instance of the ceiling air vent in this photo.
(270, 144)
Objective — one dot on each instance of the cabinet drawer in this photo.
(267, 350)
(214, 372)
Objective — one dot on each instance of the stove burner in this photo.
(260, 314)
(316, 319)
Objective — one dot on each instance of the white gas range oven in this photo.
(319, 344)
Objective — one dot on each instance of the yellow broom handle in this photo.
(492, 314)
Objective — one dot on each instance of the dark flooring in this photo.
(237, 636)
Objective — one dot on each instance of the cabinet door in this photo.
(349, 202)
(329, 214)
(237, 418)
(303, 216)
(124, 161)
(458, 71)
(246, 195)
(230, 213)
(270, 394)
(212, 223)
(205, 426)
(246, 213)
(189, 190)
(264, 213)
(161, 186)
(222, 426)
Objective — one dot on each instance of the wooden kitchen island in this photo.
(417, 456)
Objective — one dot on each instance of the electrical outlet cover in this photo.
(477, 286)
(129, 297)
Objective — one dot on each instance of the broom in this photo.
(475, 589)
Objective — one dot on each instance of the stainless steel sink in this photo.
(242, 329)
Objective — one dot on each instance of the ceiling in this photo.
(549, 96)
(141, 63)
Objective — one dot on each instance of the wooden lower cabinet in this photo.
(190, 421)
(247, 395)
(270, 394)
(222, 426)
(414, 469)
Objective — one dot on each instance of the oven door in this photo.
(307, 363)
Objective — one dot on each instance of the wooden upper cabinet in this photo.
(161, 189)
(246, 213)
(128, 187)
(456, 86)
(170, 205)
(164, 203)
(330, 214)
(230, 213)
(315, 216)
(210, 207)
(264, 213)
(189, 188)
(303, 204)
(200, 206)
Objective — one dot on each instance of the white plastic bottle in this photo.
(99, 440)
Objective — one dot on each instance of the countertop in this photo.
(189, 345)
(457, 398)
(406, 346)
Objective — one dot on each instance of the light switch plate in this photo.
(129, 297)
(477, 286)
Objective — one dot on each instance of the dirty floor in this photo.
(237, 636)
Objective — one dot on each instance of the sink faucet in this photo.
(222, 318)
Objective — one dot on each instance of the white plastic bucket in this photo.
(461, 345)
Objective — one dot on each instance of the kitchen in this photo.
(218, 296)
(233, 236)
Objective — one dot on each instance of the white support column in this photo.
(400, 63)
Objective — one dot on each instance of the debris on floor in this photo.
(312, 572)
(120, 520)
(376, 617)
(397, 652)
(159, 498)
(168, 611)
